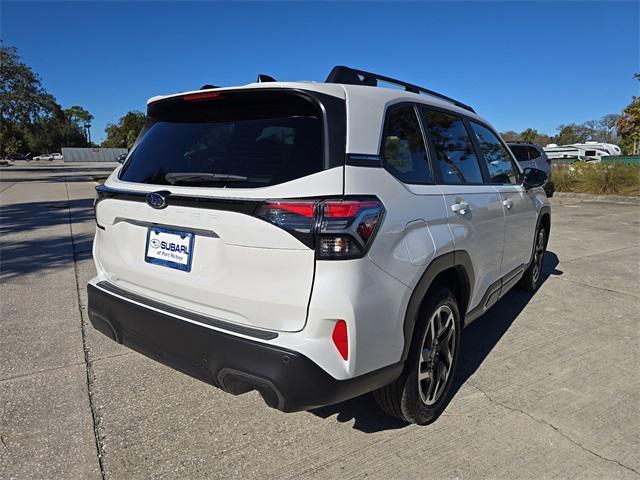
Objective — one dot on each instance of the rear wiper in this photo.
(178, 177)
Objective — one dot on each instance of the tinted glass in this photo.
(229, 144)
(533, 153)
(455, 156)
(501, 168)
(521, 152)
(403, 149)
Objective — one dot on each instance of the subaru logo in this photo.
(157, 200)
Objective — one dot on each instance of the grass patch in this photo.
(597, 179)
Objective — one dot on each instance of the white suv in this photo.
(314, 241)
(49, 156)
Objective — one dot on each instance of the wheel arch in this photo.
(544, 218)
(453, 270)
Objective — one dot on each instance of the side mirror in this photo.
(534, 177)
(121, 158)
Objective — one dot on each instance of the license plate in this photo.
(169, 248)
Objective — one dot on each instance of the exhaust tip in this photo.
(236, 383)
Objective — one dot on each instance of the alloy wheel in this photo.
(436, 356)
(538, 256)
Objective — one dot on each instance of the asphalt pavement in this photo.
(549, 384)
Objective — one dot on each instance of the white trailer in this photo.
(588, 151)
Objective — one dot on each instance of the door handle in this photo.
(460, 207)
(508, 203)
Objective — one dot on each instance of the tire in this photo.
(413, 397)
(530, 281)
(549, 188)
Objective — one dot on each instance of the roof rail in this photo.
(352, 76)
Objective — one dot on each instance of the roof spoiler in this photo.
(262, 78)
(352, 76)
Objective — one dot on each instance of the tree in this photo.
(529, 135)
(81, 119)
(22, 98)
(510, 136)
(570, 133)
(124, 133)
(629, 126)
(30, 118)
(608, 126)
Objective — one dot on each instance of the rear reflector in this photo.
(340, 338)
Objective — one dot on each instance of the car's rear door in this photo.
(474, 208)
(180, 222)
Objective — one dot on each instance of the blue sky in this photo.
(520, 64)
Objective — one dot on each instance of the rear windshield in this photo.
(231, 140)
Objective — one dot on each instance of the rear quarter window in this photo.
(403, 150)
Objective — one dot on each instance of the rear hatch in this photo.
(184, 220)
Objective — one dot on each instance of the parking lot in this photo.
(549, 384)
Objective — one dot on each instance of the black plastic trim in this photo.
(456, 259)
(544, 211)
(196, 317)
(363, 160)
(286, 380)
(245, 206)
(495, 292)
(348, 75)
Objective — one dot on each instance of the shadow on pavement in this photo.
(478, 339)
(44, 252)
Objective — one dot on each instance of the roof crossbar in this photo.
(352, 76)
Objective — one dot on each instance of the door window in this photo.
(501, 168)
(455, 156)
(403, 150)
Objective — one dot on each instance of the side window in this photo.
(521, 152)
(533, 153)
(455, 156)
(501, 168)
(403, 150)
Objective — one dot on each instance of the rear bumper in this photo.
(286, 380)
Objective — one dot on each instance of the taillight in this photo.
(337, 229)
(346, 227)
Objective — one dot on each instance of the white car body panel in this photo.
(416, 232)
(245, 270)
(520, 223)
(479, 231)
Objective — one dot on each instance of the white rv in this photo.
(588, 151)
